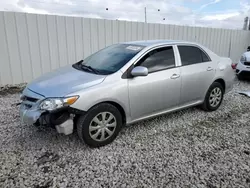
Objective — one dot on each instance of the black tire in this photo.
(83, 123)
(206, 104)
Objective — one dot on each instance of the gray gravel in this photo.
(190, 148)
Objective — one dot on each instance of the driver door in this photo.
(160, 89)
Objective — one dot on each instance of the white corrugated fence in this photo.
(31, 44)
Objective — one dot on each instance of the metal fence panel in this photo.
(31, 44)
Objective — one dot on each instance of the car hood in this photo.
(64, 81)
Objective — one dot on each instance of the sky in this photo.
(204, 13)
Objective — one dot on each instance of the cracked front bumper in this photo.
(28, 110)
(29, 116)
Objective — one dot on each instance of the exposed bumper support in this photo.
(61, 120)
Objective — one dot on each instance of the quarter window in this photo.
(205, 58)
(158, 59)
(192, 55)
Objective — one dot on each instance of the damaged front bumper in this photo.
(31, 114)
(29, 111)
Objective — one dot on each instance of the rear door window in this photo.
(192, 55)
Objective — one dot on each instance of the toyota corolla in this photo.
(125, 83)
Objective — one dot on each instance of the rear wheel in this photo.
(213, 97)
(100, 126)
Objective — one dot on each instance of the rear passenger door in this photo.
(197, 73)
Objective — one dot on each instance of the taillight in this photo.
(233, 65)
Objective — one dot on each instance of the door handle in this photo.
(210, 69)
(175, 76)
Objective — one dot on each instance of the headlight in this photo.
(243, 59)
(56, 103)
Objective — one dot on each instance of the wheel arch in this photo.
(219, 80)
(118, 106)
(222, 82)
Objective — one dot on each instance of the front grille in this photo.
(28, 101)
(26, 98)
(247, 63)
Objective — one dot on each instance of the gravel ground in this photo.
(190, 148)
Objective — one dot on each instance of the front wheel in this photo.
(100, 126)
(213, 97)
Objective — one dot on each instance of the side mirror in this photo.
(139, 71)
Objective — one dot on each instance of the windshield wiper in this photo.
(81, 66)
(89, 68)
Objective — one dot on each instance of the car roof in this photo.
(157, 42)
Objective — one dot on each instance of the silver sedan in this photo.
(125, 83)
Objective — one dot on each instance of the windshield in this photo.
(112, 58)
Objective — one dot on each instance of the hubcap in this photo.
(102, 126)
(215, 97)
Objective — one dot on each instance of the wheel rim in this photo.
(102, 126)
(215, 97)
